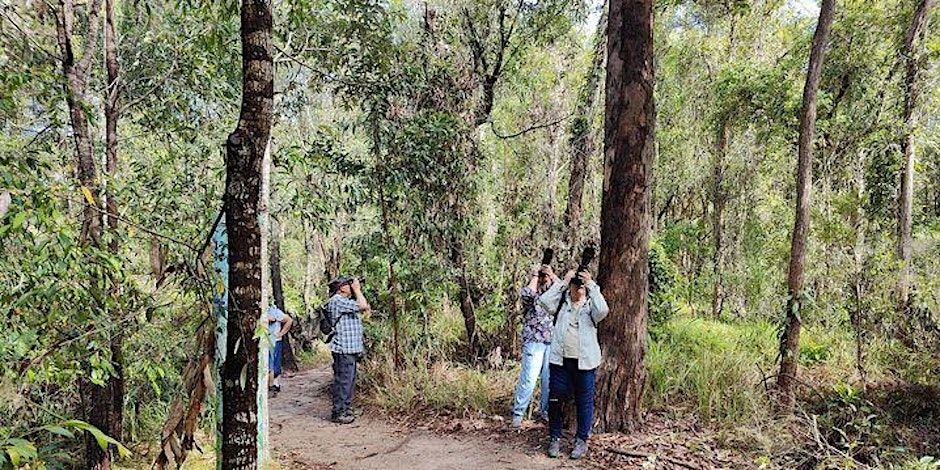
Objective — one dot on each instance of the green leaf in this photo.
(101, 438)
(20, 450)
(60, 431)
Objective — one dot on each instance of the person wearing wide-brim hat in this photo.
(343, 310)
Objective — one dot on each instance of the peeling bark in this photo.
(623, 273)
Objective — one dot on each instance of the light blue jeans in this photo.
(534, 364)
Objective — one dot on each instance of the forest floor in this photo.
(303, 438)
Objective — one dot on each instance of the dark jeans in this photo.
(344, 382)
(566, 381)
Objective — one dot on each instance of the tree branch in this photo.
(531, 128)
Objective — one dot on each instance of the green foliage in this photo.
(663, 298)
(439, 387)
(711, 368)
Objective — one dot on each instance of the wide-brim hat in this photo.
(338, 282)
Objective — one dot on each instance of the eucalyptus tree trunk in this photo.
(719, 198)
(860, 257)
(75, 75)
(582, 141)
(245, 148)
(277, 294)
(111, 115)
(96, 400)
(790, 339)
(308, 328)
(906, 193)
(629, 130)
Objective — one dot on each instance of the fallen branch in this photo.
(645, 455)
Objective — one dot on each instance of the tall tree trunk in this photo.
(277, 293)
(629, 130)
(464, 296)
(96, 400)
(582, 140)
(75, 75)
(331, 254)
(906, 193)
(719, 197)
(308, 328)
(112, 114)
(859, 279)
(309, 268)
(790, 339)
(245, 148)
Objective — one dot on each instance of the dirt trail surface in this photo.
(304, 438)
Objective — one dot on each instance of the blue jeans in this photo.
(567, 381)
(534, 364)
(274, 358)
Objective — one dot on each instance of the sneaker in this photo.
(344, 418)
(554, 447)
(516, 422)
(580, 448)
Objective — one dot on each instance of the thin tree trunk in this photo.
(277, 293)
(75, 75)
(308, 329)
(719, 198)
(309, 268)
(112, 114)
(464, 296)
(790, 339)
(245, 148)
(906, 193)
(96, 400)
(859, 255)
(392, 282)
(582, 141)
(629, 130)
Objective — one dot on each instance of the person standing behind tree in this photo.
(574, 354)
(343, 309)
(279, 324)
(536, 340)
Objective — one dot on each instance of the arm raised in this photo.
(599, 308)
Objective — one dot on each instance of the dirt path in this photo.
(303, 438)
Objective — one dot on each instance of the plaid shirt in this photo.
(348, 337)
(536, 322)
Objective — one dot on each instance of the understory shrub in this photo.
(710, 367)
(441, 386)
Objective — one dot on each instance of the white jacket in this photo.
(592, 312)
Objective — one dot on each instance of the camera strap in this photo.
(560, 303)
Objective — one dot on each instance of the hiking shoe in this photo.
(580, 448)
(344, 418)
(554, 447)
(516, 422)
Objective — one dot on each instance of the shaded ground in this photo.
(303, 438)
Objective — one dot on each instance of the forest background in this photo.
(436, 147)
